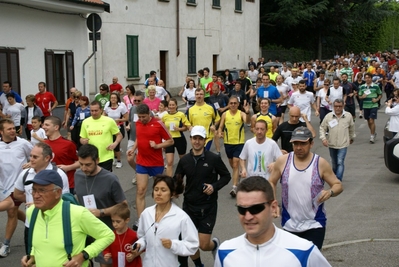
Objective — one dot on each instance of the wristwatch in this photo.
(85, 255)
(102, 213)
(331, 193)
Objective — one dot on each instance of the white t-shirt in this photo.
(335, 94)
(40, 133)
(286, 74)
(259, 156)
(160, 93)
(283, 89)
(253, 75)
(290, 79)
(15, 111)
(117, 112)
(19, 184)
(13, 156)
(303, 101)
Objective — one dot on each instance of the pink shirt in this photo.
(152, 104)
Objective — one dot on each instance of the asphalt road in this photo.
(361, 230)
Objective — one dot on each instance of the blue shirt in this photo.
(272, 93)
(310, 75)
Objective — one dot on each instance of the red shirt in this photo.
(210, 85)
(391, 62)
(155, 131)
(115, 87)
(45, 101)
(64, 153)
(123, 243)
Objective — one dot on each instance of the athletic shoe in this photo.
(217, 242)
(360, 116)
(115, 161)
(233, 192)
(135, 225)
(372, 139)
(134, 180)
(118, 165)
(4, 250)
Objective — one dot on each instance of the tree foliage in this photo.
(332, 25)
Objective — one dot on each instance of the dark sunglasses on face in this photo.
(254, 209)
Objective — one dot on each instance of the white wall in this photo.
(33, 31)
(233, 36)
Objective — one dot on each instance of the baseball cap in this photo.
(46, 177)
(198, 130)
(301, 134)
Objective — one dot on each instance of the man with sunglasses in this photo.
(302, 175)
(103, 96)
(263, 242)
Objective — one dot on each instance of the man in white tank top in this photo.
(302, 175)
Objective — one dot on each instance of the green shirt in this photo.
(204, 83)
(100, 132)
(103, 99)
(374, 92)
(48, 237)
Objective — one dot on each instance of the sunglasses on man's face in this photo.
(254, 209)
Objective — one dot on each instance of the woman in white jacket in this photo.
(392, 109)
(160, 226)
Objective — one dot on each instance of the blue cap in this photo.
(46, 177)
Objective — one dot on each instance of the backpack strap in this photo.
(31, 227)
(25, 175)
(66, 225)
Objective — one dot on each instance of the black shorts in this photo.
(180, 143)
(233, 151)
(106, 165)
(351, 109)
(281, 110)
(310, 89)
(203, 219)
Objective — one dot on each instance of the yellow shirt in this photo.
(204, 115)
(178, 119)
(268, 118)
(234, 133)
(100, 132)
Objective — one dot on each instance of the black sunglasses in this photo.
(254, 209)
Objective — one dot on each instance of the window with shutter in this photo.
(132, 56)
(192, 55)
(9, 68)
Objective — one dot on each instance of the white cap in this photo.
(198, 130)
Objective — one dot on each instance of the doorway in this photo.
(162, 67)
(215, 63)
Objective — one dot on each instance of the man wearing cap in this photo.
(302, 175)
(47, 191)
(259, 153)
(40, 159)
(285, 129)
(341, 133)
(205, 174)
(151, 137)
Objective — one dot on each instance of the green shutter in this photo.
(132, 56)
(238, 5)
(192, 54)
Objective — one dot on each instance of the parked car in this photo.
(268, 65)
(391, 150)
(235, 75)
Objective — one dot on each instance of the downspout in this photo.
(177, 28)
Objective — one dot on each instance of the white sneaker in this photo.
(134, 180)
(115, 161)
(118, 165)
(217, 244)
(4, 250)
(372, 139)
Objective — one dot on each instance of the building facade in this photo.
(45, 40)
(175, 38)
